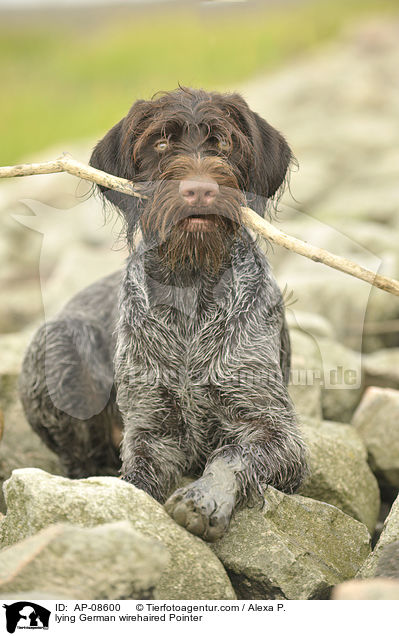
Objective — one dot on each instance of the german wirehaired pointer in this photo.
(186, 350)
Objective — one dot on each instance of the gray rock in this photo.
(339, 473)
(343, 380)
(36, 499)
(346, 302)
(381, 368)
(20, 305)
(110, 561)
(313, 324)
(377, 422)
(78, 267)
(21, 447)
(12, 348)
(373, 201)
(326, 372)
(295, 548)
(305, 376)
(306, 399)
(389, 535)
(388, 563)
(380, 308)
(370, 590)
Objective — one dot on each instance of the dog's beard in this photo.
(186, 244)
(197, 249)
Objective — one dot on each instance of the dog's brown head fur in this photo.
(199, 156)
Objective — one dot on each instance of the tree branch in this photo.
(67, 164)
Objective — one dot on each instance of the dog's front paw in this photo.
(202, 508)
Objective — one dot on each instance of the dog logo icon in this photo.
(26, 615)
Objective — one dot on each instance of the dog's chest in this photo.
(187, 344)
(195, 338)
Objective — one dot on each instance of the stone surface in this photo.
(381, 368)
(313, 324)
(36, 499)
(343, 381)
(339, 473)
(377, 421)
(326, 377)
(295, 548)
(371, 590)
(12, 348)
(109, 561)
(388, 562)
(21, 447)
(389, 535)
(305, 376)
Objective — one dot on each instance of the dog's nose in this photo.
(196, 191)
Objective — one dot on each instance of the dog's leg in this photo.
(155, 449)
(235, 474)
(259, 449)
(66, 391)
(205, 506)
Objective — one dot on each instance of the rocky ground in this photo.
(338, 110)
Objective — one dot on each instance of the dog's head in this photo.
(199, 157)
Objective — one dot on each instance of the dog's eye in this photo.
(224, 145)
(162, 145)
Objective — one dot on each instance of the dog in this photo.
(186, 352)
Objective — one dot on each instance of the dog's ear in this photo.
(108, 156)
(114, 154)
(272, 158)
(269, 154)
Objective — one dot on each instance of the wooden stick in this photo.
(67, 164)
(318, 254)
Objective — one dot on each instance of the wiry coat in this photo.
(194, 358)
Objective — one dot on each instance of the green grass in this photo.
(65, 82)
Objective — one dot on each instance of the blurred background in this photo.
(70, 69)
(323, 72)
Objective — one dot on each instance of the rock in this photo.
(21, 304)
(348, 303)
(36, 499)
(384, 512)
(12, 347)
(21, 447)
(389, 535)
(377, 422)
(388, 563)
(343, 381)
(78, 268)
(339, 473)
(109, 561)
(306, 399)
(380, 308)
(321, 364)
(294, 548)
(305, 375)
(313, 324)
(370, 590)
(381, 368)
(374, 201)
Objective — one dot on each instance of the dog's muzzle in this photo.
(199, 193)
